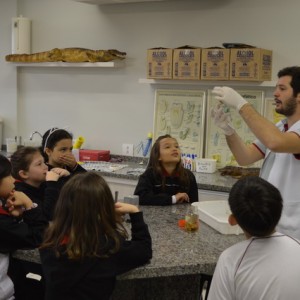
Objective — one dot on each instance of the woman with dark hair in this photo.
(86, 245)
(165, 180)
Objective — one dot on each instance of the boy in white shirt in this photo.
(266, 265)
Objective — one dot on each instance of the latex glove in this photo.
(222, 120)
(229, 97)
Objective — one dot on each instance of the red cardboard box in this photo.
(94, 155)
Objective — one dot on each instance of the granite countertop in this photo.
(134, 166)
(206, 181)
(175, 251)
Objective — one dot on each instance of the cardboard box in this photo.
(94, 155)
(250, 64)
(186, 63)
(159, 63)
(215, 64)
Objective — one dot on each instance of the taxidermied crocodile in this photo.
(68, 55)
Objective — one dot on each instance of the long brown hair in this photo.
(85, 220)
(155, 163)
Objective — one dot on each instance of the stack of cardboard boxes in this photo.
(195, 63)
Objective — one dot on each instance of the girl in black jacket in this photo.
(34, 179)
(86, 246)
(165, 180)
(57, 150)
(21, 225)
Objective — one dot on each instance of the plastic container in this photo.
(21, 35)
(215, 213)
(78, 142)
(11, 145)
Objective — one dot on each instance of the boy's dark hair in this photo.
(256, 204)
(155, 164)
(5, 167)
(21, 160)
(294, 72)
(51, 137)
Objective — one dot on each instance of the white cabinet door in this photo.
(124, 187)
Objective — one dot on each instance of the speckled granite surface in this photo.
(206, 181)
(175, 251)
(178, 257)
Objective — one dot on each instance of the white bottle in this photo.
(188, 162)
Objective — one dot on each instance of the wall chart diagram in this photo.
(216, 146)
(270, 113)
(181, 113)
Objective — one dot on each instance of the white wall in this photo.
(8, 75)
(109, 106)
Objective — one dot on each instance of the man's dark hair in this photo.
(256, 204)
(294, 72)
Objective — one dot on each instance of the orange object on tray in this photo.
(181, 223)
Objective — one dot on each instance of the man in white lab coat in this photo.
(278, 145)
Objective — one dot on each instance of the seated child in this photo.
(165, 180)
(266, 265)
(34, 179)
(86, 245)
(57, 150)
(21, 225)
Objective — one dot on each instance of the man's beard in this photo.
(289, 108)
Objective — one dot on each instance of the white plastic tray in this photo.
(215, 213)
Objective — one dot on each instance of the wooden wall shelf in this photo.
(263, 84)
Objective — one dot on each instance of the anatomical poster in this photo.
(181, 114)
(270, 112)
(216, 146)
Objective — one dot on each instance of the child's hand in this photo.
(17, 202)
(125, 208)
(12, 210)
(56, 173)
(52, 176)
(68, 160)
(182, 197)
